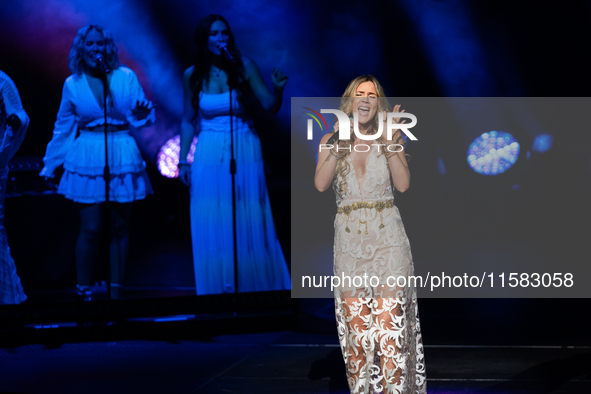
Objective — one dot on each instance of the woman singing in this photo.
(83, 155)
(220, 72)
(377, 316)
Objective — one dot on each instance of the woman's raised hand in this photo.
(279, 78)
(143, 109)
(396, 135)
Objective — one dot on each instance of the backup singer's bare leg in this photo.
(87, 246)
(88, 242)
(120, 215)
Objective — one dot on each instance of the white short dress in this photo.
(79, 144)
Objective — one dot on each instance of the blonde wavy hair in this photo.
(343, 167)
(75, 59)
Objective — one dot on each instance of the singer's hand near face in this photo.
(396, 135)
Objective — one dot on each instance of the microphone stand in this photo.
(233, 174)
(225, 53)
(107, 177)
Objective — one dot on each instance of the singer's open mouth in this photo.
(363, 110)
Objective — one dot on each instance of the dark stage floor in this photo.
(297, 353)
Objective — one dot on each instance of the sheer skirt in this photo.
(375, 304)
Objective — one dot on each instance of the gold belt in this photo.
(377, 205)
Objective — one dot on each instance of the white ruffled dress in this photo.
(83, 155)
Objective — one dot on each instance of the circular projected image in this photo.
(493, 153)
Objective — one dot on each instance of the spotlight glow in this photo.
(168, 157)
(493, 153)
(543, 143)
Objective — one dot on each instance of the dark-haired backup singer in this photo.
(13, 126)
(83, 156)
(261, 264)
(377, 318)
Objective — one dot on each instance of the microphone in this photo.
(223, 47)
(102, 64)
(334, 137)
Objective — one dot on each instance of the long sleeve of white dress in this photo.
(64, 133)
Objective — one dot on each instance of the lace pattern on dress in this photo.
(377, 314)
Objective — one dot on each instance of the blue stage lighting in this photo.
(493, 153)
(441, 166)
(168, 157)
(542, 143)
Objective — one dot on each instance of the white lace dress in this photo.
(377, 315)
